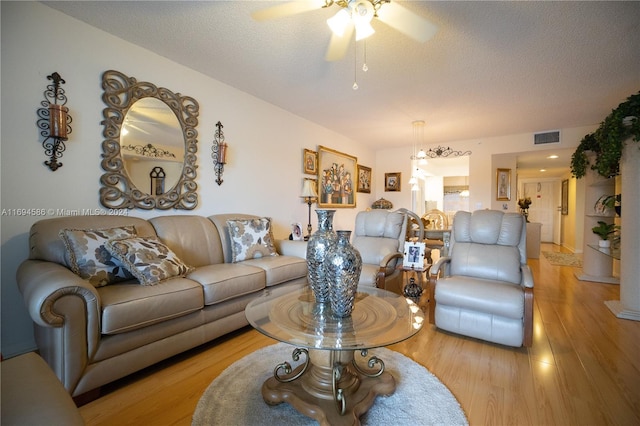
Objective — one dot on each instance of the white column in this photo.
(628, 306)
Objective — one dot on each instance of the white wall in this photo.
(264, 171)
(487, 154)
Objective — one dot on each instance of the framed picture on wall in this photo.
(310, 162)
(503, 185)
(565, 197)
(336, 174)
(392, 181)
(364, 179)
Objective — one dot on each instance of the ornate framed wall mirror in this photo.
(147, 129)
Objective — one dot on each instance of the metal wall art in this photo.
(54, 121)
(441, 151)
(147, 128)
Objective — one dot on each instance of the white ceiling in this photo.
(492, 69)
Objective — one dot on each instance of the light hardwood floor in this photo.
(583, 367)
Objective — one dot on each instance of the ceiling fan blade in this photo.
(407, 22)
(338, 45)
(287, 9)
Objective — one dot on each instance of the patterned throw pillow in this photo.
(89, 258)
(251, 238)
(149, 260)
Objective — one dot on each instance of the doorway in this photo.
(545, 206)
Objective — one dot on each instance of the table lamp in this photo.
(310, 195)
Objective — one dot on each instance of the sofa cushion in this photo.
(225, 281)
(148, 259)
(88, 257)
(251, 238)
(280, 269)
(194, 239)
(129, 306)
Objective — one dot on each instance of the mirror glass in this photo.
(151, 137)
(149, 151)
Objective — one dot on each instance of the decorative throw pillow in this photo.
(148, 259)
(251, 238)
(89, 258)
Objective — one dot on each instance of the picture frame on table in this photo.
(503, 185)
(310, 162)
(392, 181)
(336, 178)
(364, 179)
(296, 232)
(413, 255)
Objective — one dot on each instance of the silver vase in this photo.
(344, 267)
(318, 247)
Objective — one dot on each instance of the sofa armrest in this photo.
(66, 311)
(292, 248)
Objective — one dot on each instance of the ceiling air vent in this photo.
(546, 137)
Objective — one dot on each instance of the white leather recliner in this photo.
(484, 288)
(379, 236)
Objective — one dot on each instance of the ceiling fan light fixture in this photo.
(364, 30)
(339, 22)
(362, 13)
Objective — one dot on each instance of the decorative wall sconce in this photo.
(219, 153)
(310, 195)
(54, 121)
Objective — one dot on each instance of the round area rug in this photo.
(234, 397)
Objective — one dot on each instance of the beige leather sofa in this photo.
(91, 335)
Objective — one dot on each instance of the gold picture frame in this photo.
(392, 182)
(503, 185)
(310, 162)
(364, 179)
(336, 174)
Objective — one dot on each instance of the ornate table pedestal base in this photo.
(329, 387)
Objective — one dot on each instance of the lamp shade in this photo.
(309, 189)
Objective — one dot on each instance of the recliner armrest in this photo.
(443, 262)
(527, 276)
(389, 257)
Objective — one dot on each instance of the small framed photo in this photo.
(296, 232)
(413, 255)
(364, 179)
(392, 181)
(503, 185)
(310, 162)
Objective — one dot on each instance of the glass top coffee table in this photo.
(331, 384)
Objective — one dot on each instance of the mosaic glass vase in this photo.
(344, 265)
(318, 247)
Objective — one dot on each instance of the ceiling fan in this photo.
(355, 15)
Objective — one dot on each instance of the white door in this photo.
(543, 207)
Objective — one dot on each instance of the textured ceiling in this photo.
(493, 68)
